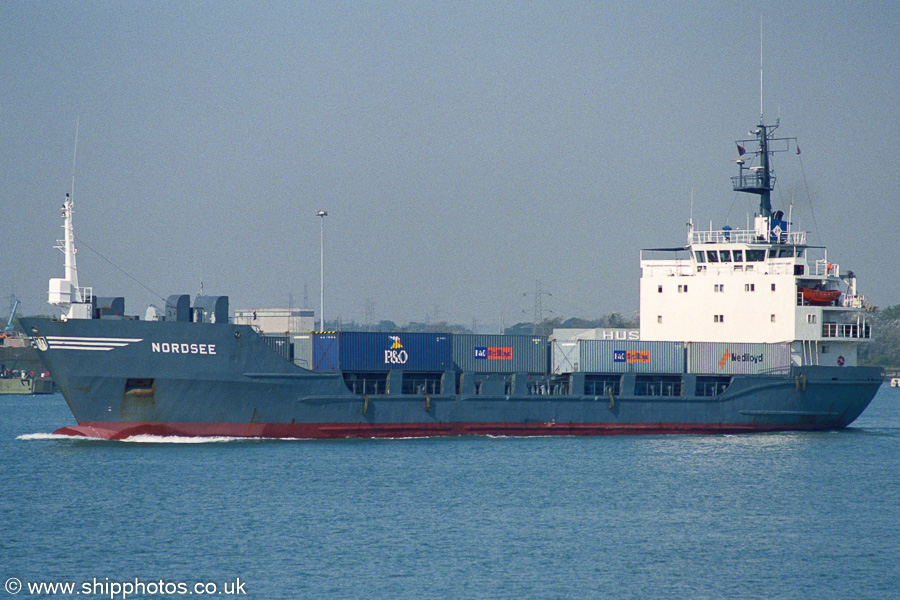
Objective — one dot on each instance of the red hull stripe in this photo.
(124, 430)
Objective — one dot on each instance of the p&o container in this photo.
(619, 356)
(378, 351)
(500, 353)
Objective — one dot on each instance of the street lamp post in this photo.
(322, 214)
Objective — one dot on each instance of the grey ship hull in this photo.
(123, 378)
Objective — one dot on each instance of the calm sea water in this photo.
(791, 515)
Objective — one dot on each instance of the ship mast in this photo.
(758, 179)
(64, 292)
(68, 248)
(69, 251)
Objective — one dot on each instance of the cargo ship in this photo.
(731, 340)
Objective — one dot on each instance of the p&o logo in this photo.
(631, 356)
(493, 353)
(395, 355)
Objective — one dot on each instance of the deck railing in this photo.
(823, 267)
(846, 330)
(746, 236)
(848, 301)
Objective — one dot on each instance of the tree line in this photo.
(545, 327)
(884, 349)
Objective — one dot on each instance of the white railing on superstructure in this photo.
(860, 331)
(849, 301)
(682, 267)
(671, 268)
(746, 236)
(823, 267)
(85, 294)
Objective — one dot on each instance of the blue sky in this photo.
(462, 150)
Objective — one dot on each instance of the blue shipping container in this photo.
(371, 351)
(326, 351)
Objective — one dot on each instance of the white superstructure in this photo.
(759, 285)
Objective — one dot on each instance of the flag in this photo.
(798, 149)
(741, 150)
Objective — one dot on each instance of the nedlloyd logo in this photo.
(724, 359)
(395, 355)
(745, 357)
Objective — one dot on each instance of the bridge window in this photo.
(712, 255)
(738, 255)
(700, 256)
(756, 255)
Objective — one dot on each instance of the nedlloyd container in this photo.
(500, 353)
(377, 351)
(604, 356)
(737, 359)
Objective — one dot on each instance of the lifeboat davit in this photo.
(820, 297)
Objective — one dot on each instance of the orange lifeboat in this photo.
(819, 297)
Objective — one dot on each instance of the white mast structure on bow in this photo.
(64, 292)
